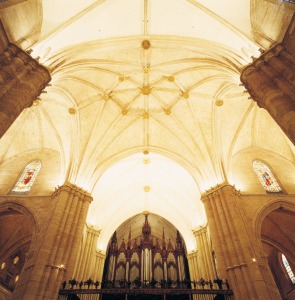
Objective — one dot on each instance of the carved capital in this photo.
(73, 189)
(219, 191)
(91, 229)
(200, 230)
(274, 51)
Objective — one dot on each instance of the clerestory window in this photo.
(27, 178)
(266, 178)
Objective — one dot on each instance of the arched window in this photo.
(27, 178)
(288, 269)
(266, 177)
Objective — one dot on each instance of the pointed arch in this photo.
(27, 178)
(266, 177)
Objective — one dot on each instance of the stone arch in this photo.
(21, 208)
(264, 210)
(17, 229)
(275, 231)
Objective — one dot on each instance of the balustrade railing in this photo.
(145, 293)
(146, 290)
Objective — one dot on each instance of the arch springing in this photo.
(266, 178)
(27, 178)
(288, 269)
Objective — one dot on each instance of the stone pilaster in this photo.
(205, 261)
(86, 258)
(236, 254)
(270, 80)
(53, 254)
(22, 80)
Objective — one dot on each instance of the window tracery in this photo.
(266, 178)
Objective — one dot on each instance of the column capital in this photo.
(200, 230)
(100, 254)
(192, 254)
(218, 188)
(92, 229)
(71, 188)
(274, 51)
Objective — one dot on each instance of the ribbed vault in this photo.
(155, 77)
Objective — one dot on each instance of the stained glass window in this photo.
(27, 178)
(288, 269)
(266, 177)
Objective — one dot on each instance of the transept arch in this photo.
(146, 182)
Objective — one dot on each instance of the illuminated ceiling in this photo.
(146, 182)
(153, 76)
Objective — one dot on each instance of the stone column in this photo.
(270, 80)
(193, 266)
(86, 259)
(54, 252)
(205, 262)
(234, 247)
(22, 80)
(99, 265)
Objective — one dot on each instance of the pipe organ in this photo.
(146, 258)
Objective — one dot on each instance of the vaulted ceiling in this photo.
(145, 108)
